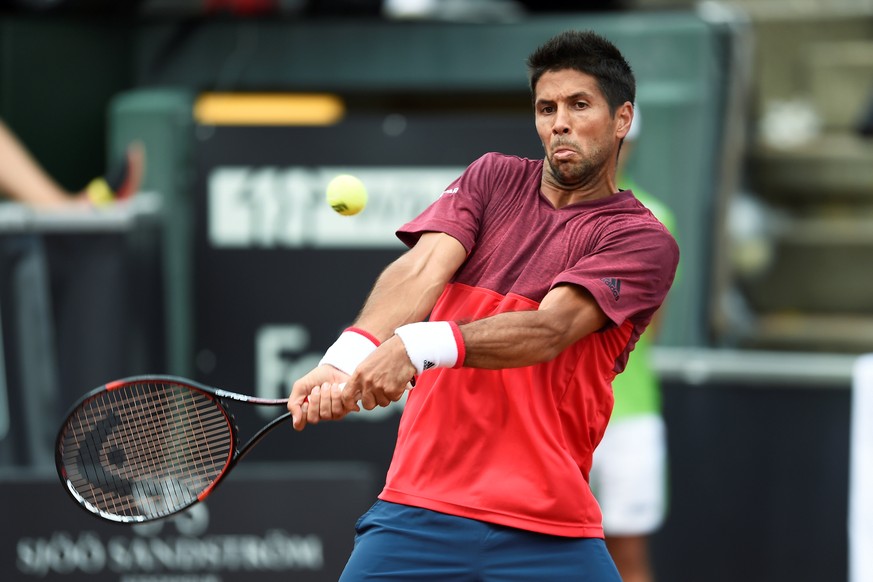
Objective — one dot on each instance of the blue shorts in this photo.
(398, 542)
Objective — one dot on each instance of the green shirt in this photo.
(636, 389)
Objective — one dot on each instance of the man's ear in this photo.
(624, 117)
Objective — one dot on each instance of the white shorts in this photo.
(629, 475)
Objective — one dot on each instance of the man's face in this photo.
(579, 135)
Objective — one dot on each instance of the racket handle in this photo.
(306, 398)
(409, 386)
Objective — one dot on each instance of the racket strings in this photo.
(167, 449)
(145, 450)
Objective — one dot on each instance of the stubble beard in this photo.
(573, 175)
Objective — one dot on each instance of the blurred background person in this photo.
(629, 474)
(24, 180)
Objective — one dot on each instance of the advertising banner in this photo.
(265, 522)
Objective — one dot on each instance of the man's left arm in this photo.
(522, 338)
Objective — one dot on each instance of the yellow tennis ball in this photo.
(99, 193)
(346, 194)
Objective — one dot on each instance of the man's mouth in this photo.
(563, 153)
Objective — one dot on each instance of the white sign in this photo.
(193, 554)
(861, 472)
(268, 207)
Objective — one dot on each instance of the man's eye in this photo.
(547, 109)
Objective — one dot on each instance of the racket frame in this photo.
(218, 396)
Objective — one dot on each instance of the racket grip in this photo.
(409, 386)
(306, 398)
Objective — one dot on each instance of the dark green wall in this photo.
(681, 61)
(57, 77)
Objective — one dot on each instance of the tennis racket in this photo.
(147, 447)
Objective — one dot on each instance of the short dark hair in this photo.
(589, 53)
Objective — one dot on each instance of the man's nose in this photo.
(561, 124)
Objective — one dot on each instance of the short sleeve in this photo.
(630, 271)
(459, 209)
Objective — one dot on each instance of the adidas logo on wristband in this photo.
(432, 344)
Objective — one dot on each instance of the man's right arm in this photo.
(406, 291)
(408, 288)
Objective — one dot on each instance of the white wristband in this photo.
(432, 344)
(350, 349)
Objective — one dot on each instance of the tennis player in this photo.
(526, 286)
